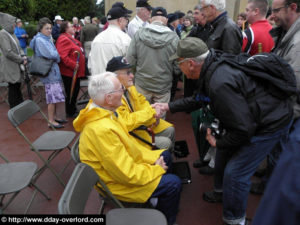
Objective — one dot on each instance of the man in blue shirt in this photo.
(21, 35)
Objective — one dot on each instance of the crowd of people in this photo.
(246, 74)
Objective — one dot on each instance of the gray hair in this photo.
(87, 19)
(219, 4)
(99, 85)
(201, 58)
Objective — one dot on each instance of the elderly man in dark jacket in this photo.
(224, 35)
(250, 97)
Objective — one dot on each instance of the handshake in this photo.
(160, 108)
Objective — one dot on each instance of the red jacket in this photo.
(66, 46)
(258, 32)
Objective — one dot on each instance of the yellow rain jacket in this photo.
(125, 166)
(141, 113)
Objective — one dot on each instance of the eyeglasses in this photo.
(278, 9)
(181, 61)
(204, 7)
(122, 89)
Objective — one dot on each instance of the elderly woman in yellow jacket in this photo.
(131, 172)
(137, 111)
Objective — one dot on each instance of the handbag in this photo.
(40, 66)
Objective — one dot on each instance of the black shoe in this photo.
(61, 121)
(247, 222)
(58, 126)
(199, 163)
(212, 196)
(207, 170)
(257, 188)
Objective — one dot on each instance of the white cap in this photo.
(58, 17)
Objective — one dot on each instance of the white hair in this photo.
(100, 84)
(202, 57)
(219, 4)
(87, 19)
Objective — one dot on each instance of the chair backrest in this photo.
(22, 112)
(78, 189)
(75, 151)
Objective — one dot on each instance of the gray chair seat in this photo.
(135, 216)
(54, 140)
(15, 176)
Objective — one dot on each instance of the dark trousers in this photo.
(280, 203)
(168, 192)
(71, 106)
(14, 94)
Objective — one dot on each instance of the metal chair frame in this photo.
(23, 112)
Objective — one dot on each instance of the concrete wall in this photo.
(232, 6)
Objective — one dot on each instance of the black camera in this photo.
(216, 129)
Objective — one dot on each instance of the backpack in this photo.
(280, 77)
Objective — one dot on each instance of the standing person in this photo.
(56, 28)
(180, 17)
(131, 172)
(153, 78)
(43, 46)
(11, 59)
(187, 26)
(88, 33)
(242, 21)
(258, 33)
(21, 35)
(68, 49)
(77, 28)
(279, 204)
(224, 35)
(143, 14)
(253, 125)
(111, 42)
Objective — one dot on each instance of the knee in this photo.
(174, 183)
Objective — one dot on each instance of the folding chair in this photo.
(14, 177)
(78, 189)
(54, 141)
(134, 216)
(75, 151)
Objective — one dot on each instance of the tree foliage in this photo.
(33, 10)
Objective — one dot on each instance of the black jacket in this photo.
(201, 32)
(225, 35)
(241, 102)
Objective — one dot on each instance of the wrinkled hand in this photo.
(210, 138)
(161, 163)
(162, 107)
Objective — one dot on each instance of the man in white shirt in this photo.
(111, 42)
(143, 14)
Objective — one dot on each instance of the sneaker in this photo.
(212, 196)
(257, 188)
(207, 170)
(199, 163)
(247, 222)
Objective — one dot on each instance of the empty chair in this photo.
(14, 177)
(78, 189)
(135, 216)
(75, 151)
(50, 141)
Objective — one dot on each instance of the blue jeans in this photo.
(240, 168)
(280, 203)
(168, 192)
